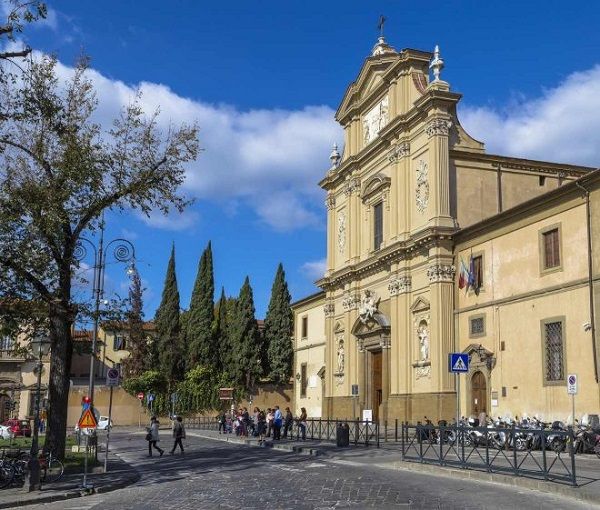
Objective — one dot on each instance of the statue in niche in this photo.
(423, 335)
(340, 356)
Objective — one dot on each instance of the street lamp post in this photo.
(40, 346)
(123, 251)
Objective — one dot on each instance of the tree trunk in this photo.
(60, 368)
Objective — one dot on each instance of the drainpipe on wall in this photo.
(590, 272)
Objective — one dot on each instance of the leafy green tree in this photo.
(19, 13)
(203, 348)
(171, 353)
(246, 362)
(279, 329)
(139, 358)
(59, 171)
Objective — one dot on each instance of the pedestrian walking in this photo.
(261, 426)
(152, 436)
(178, 434)
(223, 423)
(302, 422)
(277, 423)
(288, 422)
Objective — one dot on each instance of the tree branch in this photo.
(37, 284)
(6, 29)
(40, 161)
(12, 54)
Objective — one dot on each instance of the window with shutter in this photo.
(551, 248)
(304, 327)
(303, 380)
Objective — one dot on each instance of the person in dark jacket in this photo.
(288, 422)
(152, 436)
(178, 434)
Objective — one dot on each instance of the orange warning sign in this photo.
(87, 420)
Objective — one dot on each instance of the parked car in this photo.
(19, 427)
(102, 423)
(5, 432)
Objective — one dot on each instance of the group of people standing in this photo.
(153, 439)
(262, 423)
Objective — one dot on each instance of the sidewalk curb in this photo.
(435, 470)
(72, 493)
(302, 450)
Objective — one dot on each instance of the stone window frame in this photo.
(563, 320)
(303, 379)
(542, 253)
(474, 317)
(376, 190)
(304, 327)
(475, 254)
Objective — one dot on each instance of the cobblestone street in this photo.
(223, 475)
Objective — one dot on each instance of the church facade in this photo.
(413, 199)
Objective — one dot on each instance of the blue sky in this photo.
(263, 80)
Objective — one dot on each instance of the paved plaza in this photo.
(214, 474)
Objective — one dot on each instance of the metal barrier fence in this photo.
(533, 453)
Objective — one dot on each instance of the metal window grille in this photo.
(303, 380)
(477, 326)
(554, 351)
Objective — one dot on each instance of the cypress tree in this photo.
(139, 360)
(171, 355)
(278, 330)
(221, 334)
(202, 348)
(245, 338)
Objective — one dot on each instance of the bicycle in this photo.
(7, 473)
(51, 468)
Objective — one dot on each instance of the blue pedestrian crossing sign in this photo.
(458, 362)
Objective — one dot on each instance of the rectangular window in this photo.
(477, 275)
(477, 326)
(6, 343)
(551, 248)
(119, 342)
(303, 380)
(377, 226)
(554, 353)
(304, 327)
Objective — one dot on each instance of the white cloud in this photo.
(173, 221)
(561, 125)
(270, 160)
(315, 269)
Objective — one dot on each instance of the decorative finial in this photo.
(335, 157)
(380, 25)
(437, 64)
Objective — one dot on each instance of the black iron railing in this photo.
(533, 453)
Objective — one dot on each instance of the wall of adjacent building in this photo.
(516, 298)
(311, 351)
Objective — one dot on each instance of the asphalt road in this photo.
(213, 475)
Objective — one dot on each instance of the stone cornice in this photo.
(397, 251)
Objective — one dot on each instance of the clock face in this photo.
(375, 120)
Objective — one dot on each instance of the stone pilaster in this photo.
(437, 129)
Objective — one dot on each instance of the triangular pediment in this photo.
(339, 327)
(420, 305)
(368, 81)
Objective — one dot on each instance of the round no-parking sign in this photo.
(572, 384)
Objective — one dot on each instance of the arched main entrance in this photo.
(478, 393)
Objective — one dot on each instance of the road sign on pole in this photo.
(112, 377)
(87, 420)
(458, 362)
(572, 384)
(140, 395)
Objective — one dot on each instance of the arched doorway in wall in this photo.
(478, 393)
(4, 411)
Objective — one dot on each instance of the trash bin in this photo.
(342, 435)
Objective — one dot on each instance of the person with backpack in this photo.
(152, 436)
(178, 434)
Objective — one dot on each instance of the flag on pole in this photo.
(463, 275)
(471, 279)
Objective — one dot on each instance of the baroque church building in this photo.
(435, 246)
